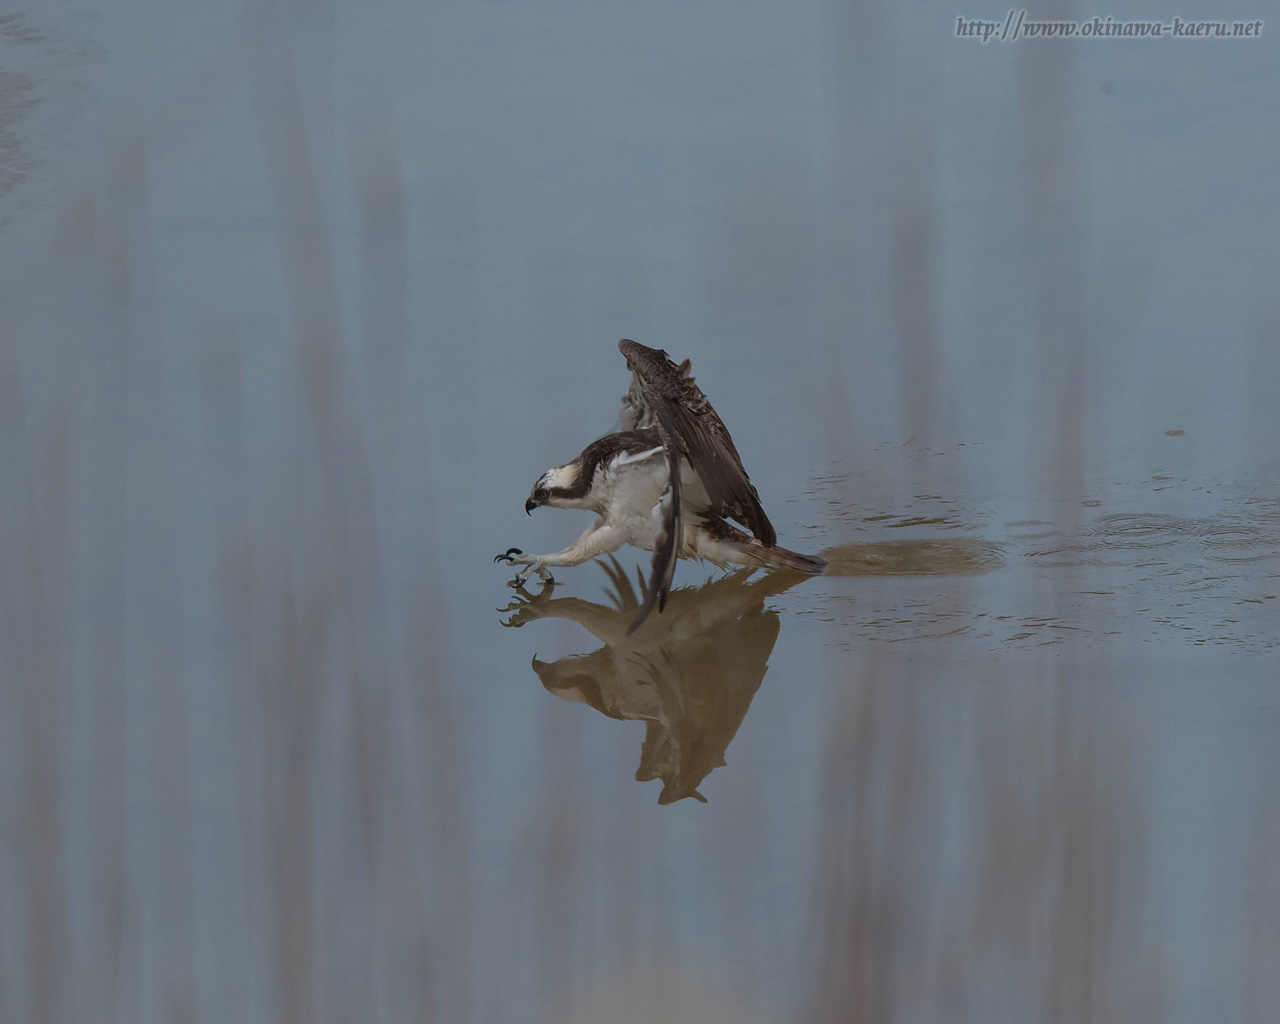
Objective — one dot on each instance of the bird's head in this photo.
(560, 487)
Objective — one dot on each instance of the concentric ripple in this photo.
(1238, 542)
(1140, 529)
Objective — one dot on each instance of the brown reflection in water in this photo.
(968, 557)
(689, 674)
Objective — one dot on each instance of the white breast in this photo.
(633, 485)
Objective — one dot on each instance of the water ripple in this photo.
(1140, 530)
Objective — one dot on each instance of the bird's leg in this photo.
(532, 563)
(597, 540)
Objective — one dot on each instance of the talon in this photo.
(506, 555)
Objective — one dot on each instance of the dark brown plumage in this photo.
(687, 422)
(690, 429)
(601, 450)
(669, 482)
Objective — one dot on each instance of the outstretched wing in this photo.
(636, 414)
(686, 421)
(689, 428)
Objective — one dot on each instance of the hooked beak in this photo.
(530, 505)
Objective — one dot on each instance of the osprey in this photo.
(669, 483)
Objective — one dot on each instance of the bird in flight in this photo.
(669, 482)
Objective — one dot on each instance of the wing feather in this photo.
(667, 544)
(687, 422)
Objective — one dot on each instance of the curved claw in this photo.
(506, 555)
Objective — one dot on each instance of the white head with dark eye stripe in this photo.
(561, 487)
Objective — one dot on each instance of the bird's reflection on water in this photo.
(691, 672)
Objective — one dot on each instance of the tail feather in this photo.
(748, 550)
(781, 558)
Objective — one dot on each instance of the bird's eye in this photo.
(541, 492)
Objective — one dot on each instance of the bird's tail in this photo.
(784, 558)
(751, 552)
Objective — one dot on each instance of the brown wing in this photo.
(687, 423)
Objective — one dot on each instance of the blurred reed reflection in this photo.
(689, 674)
(1019, 804)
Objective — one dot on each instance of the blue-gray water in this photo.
(297, 299)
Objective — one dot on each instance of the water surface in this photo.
(298, 299)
